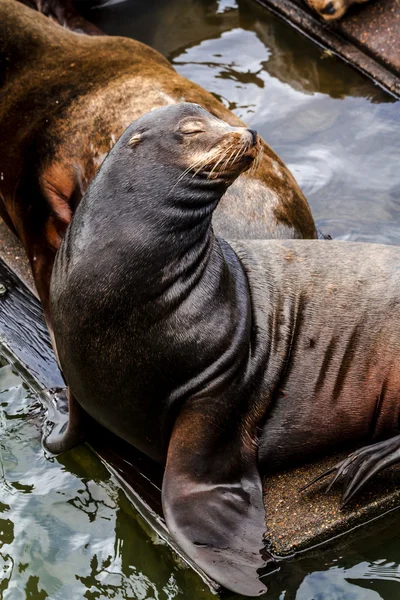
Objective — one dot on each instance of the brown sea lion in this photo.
(331, 10)
(65, 100)
(220, 359)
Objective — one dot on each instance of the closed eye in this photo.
(192, 127)
(193, 131)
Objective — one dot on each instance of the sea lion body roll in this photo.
(329, 313)
(67, 98)
(220, 359)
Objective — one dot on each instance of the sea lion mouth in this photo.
(238, 151)
(328, 9)
(245, 154)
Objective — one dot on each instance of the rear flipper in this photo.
(63, 427)
(212, 498)
(360, 466)
(64, 13)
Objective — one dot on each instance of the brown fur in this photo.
(340, 7)
(66, 98)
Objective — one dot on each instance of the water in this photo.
(67, 530)
(338, 133)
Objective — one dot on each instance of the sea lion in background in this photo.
(64, 13)
(220, 359)
(67, 97)
(331, 10)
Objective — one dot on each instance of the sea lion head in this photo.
(329, 10)
(194, 143)
(167, 172)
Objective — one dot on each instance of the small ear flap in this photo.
(135, 139)
(213, 502)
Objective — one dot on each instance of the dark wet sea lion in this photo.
(65, 100)
(331, 10)
(222, 359)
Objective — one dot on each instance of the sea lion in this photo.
(331, 10)
(67, 97)
(65, 14)
(220, 359)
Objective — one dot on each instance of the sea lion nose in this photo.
(254, 136)
(329, 9)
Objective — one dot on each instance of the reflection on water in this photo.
(66, 530)
(339, 134)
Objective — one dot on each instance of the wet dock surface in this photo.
(297, 521)
(368, 36)
(375, 28)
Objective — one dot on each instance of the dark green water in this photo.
(67, 530)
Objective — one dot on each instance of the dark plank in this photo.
(358, 39)
(23, 330)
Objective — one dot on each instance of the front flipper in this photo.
(212, 498)
(360, 466)
(63, 428)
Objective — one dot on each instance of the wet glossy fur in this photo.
(226, 358)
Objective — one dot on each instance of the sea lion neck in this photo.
(154, 203)
(143, 213)
(146, 194)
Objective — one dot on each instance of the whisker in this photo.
(237, 154)
(218, 162)
(186, 171)
(226, 163)
(210, 158)
(224, 157)
(204, 164)
(256, 162)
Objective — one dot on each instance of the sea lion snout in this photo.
(226, 151)
(329, 9)
(254, 135)
(332, 9)
(205, 145)
(253, 143)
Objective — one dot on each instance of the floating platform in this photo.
(368, 37)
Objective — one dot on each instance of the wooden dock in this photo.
(368, 37)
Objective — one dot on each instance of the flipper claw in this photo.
(63, 426)
(360, 466)
(318, 478)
